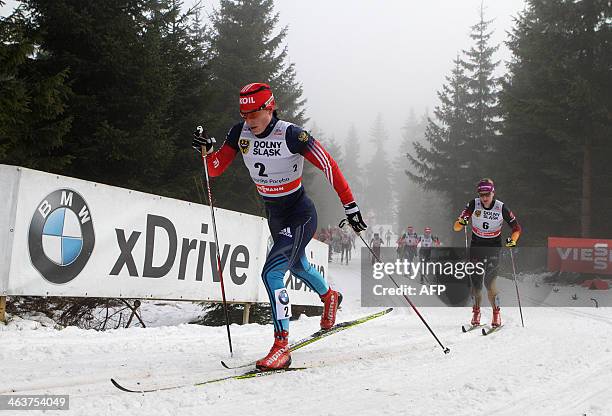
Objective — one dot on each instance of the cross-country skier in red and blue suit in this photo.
(274, 151)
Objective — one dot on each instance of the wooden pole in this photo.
(245, 313)
(587, 196)
(3, 309)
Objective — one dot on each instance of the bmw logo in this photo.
(283, 297)
(61, 236)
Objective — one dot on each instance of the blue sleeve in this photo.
(233, 135)
(297, 139)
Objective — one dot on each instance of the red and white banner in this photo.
(584, 255)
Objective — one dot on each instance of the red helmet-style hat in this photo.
(255, 97)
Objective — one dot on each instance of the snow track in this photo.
(560, 364)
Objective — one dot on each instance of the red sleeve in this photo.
(219, 161)
(318, 156)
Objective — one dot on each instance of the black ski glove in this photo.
(354, 217)
(201, 139)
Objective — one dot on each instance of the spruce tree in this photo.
(119, 85)
(351, 167)
(409, 194)
(328, 205)
(181, 39)
(462, 143)
(33, 99)
(379, 197)
(482, 105)
(556, 128)
(244, 48)
(446, 162)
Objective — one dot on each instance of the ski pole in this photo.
(467, 258)
(219, 268)
(445, 349)
(518, 296)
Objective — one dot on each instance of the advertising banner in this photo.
(583, 255)
(69, 237)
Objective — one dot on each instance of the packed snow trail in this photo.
(559, 364)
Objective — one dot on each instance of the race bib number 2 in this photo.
(283, 305)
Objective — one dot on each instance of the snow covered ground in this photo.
(560, 364)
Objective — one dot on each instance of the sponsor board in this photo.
(69, 237)
(583, 255)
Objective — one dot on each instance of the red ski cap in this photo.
(255, 97)
(427, 230)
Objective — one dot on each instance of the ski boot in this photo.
(496, 317)
(279, 355)
(475, 315)
(331, 300)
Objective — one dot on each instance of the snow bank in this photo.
(560, 364)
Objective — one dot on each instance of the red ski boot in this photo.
(331, 300)
(279, 355)
(475, 315)
(496, 317)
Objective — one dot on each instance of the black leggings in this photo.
(490, 257)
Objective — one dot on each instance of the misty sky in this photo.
(356, 58)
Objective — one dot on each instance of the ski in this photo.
(487, 331)
(249, 374)
(465, 329)
(320, 334)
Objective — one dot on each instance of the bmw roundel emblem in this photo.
(283, 297)
(61, 236)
